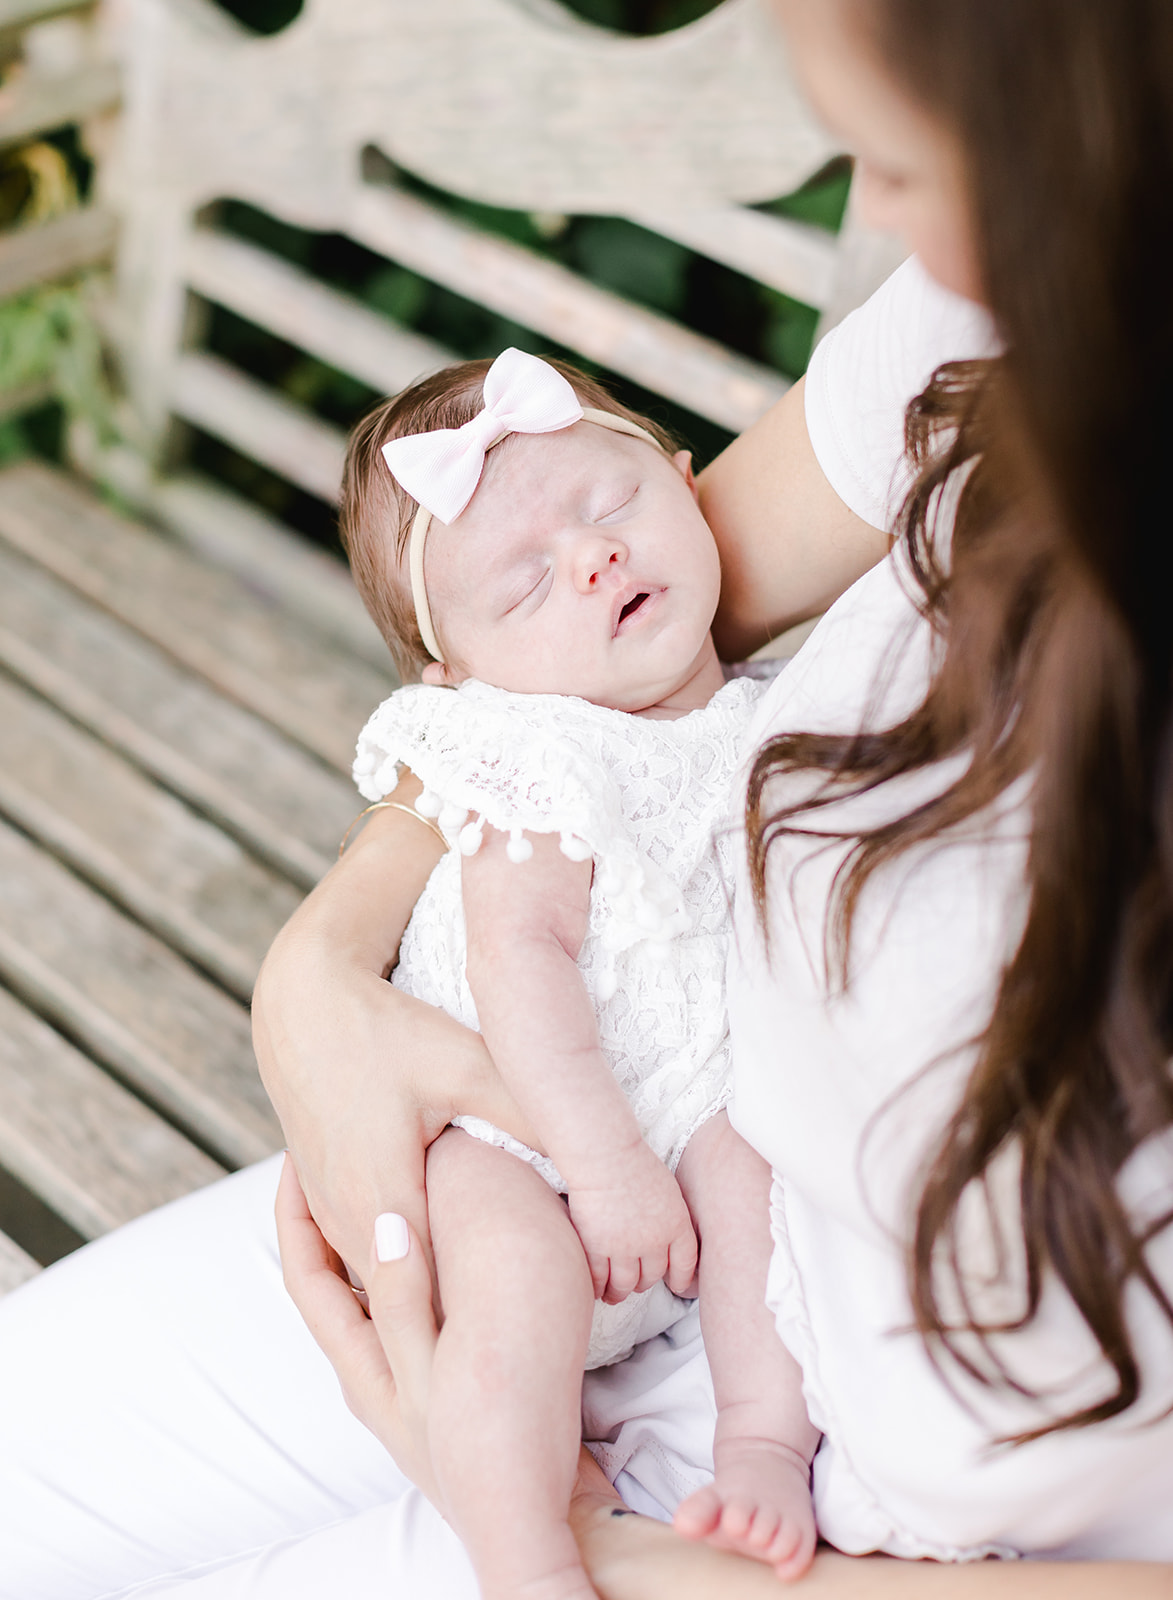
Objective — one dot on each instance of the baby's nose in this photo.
(597, 559)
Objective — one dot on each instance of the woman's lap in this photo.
(163, 1405)
(163, 1411)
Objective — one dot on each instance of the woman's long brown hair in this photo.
(1057, 643)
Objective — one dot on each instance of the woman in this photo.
(1048, 673)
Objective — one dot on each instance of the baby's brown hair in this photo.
(376, 514)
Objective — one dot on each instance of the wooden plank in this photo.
(282, 803)
(275, 665)
(260, 422)
(18, 13)
(16, 1265)
(35, 103)
(144, 848)
(290, 303)
(792, 257)
(659, 354)
(132, 1003)
(72, 1135)
(272, 561)
(55, 249)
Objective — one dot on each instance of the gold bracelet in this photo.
(391, 805)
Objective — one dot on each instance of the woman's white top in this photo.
(846, 1094)
(649, 802)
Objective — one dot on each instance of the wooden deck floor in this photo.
(173, 751)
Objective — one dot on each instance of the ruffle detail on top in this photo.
(851, 1516)
(487, 756)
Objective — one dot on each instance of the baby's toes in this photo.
(763, 1533)
(699, 1515)
(792, 1551)
(737, 1518)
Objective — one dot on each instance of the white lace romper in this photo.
(650, 802)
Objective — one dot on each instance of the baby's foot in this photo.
(758, 1504)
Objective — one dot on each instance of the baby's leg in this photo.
(760, 1500)
(504, 1407)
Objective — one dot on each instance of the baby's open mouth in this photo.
(632, 607)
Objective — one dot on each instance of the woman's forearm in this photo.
(632, 1558)
(789, 545)
(362, 1075)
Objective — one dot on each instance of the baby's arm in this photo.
(526, 924)
(759, 1502)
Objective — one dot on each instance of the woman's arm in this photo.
(363, 1076)
(789, 545)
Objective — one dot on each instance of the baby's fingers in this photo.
(623, 1278)
(600, 1270)
(651, 1269)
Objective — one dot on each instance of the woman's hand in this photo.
(362, 1075)
(384, 1359)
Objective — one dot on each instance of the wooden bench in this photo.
(181, 680)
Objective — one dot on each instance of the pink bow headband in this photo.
(441, 469)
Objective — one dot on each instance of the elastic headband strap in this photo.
(423, 521)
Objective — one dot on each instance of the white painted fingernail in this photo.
(391, 1236)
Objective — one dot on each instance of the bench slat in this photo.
(794, 257)
(286, 570)
(36, 103)
(173, 870)
(317, 693)
(259, 422)
(281, 802)
(79, 1140)
(659, 354)
(132, 1003)
(16, 1265)
(287, 301)
(29, 256)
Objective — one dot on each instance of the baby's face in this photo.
(582, 565)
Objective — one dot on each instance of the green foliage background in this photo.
(45, 333)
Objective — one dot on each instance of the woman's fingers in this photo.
(318, 1286)
(399, 1291)
(384, 1360)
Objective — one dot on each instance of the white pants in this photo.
(167, 1424)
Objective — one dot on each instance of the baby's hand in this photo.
(634, 1226)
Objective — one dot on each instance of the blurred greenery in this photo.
(46, 335)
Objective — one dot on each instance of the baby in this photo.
(538, 551)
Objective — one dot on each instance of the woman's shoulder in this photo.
(865, 371)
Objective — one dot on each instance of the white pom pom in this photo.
(605, 985)
(519, 848)
(659, 950)
(451, 818)
(471, 839)
(573, 848)
(649, 918)
(610, 880)
(429, 804)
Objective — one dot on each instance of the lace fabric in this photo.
(651, 802)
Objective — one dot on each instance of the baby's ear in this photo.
(682, 461)
(440, 676)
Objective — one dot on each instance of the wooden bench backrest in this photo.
(513, 102)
